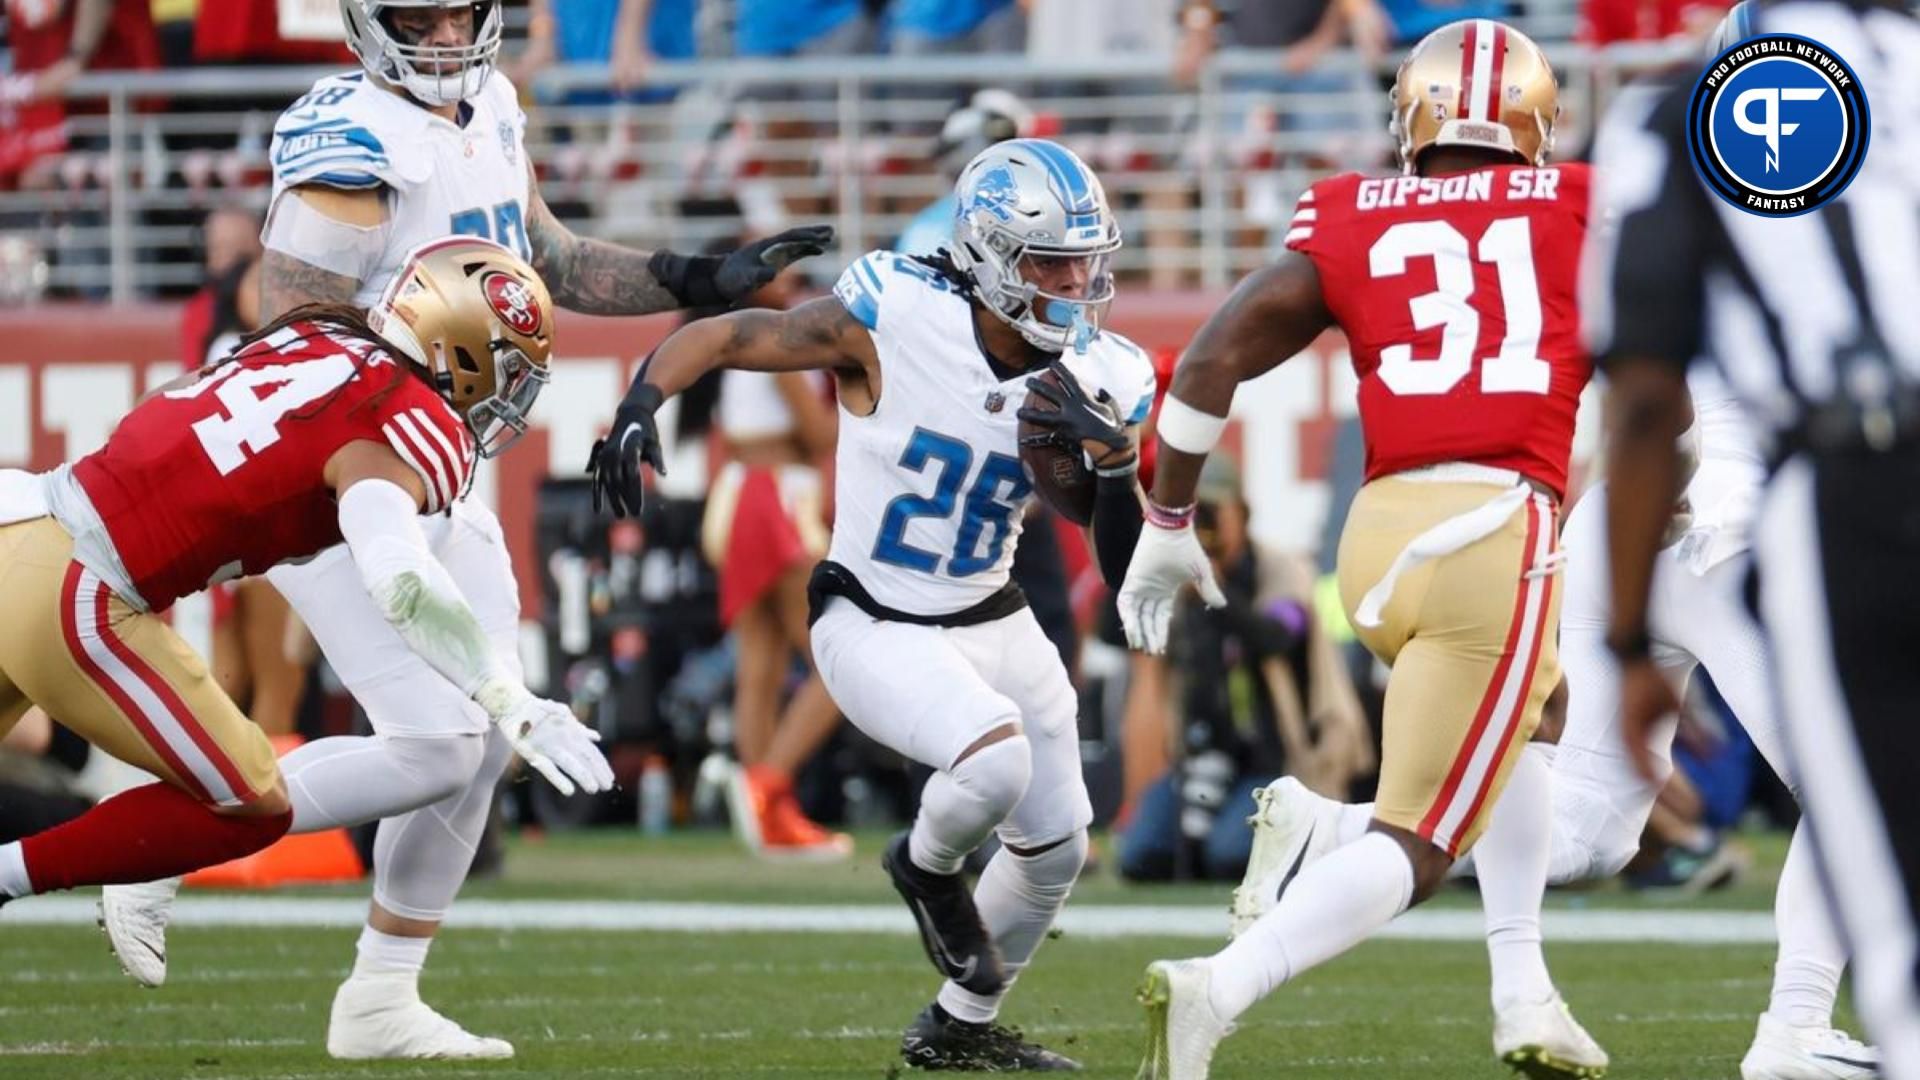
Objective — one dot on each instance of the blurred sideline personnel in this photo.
(426, 142)
(991, 116)
(209, 480)
(920, 635)
(764, 529)
(1455, 287)
(1259, 690)
(1807, 319)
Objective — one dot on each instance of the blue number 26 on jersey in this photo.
(988, 508)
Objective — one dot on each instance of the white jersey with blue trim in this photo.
(928, 488)
(442, 178)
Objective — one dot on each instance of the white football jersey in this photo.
(928, 489)
(444, 179)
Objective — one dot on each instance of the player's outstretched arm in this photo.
(1272, 315)
(380, 500)
(600, 278)
(820, 334)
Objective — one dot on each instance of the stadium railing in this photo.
(1205, 177)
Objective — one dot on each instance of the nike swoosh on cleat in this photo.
(1298, 861)
(1838, 1060)
(955, 970)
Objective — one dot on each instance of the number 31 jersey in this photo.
(225, 477)
(928, 488)
(1457, 294)
(442, 178)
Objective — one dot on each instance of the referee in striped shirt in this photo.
(1815, 322)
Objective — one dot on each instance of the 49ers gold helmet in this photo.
(1476, 83)
(479, 319)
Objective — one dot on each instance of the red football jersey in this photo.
(1457, 295)
(224, 477)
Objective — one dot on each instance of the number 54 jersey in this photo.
(1458, 297)
(225, 477)
(928, 488)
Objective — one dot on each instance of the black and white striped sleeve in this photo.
(1651, 227)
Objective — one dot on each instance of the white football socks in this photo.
(1018, 897)
(1333, 905)
(960, 807)
(1806, 974)
(14, 882)
(389, 954)
(1511, 863)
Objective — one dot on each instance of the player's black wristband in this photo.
(1117, 522)
(1627, 647)
(644, 394)
(690, 278)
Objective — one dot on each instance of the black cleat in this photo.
(936, 1041)
(950, 928)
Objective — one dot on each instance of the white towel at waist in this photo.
(1454, 533)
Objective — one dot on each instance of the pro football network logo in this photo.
(512, 301)
(1778, 125)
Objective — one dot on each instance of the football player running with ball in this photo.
(1455, 285)
(313, 433)
(922, 640)
(425, 142)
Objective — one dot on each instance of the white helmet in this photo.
(434, 75)
(1032, 198)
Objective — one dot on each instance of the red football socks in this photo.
(145, 834)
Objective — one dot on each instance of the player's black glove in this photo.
(1076, 419)
(713, 280)
(614, 462)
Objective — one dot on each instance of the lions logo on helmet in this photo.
(1028, 199)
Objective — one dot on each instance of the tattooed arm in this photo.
(352, 220)
(819, 334)
(606, 279)
(592, 276)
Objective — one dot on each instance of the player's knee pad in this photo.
(1048, 874)
(440, 766)
(995, 777)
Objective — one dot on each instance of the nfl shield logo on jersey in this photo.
(996, 401)
(508, 145)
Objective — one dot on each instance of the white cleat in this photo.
(134, 918)
(1544, 1042)
(1781, 1051)
(1182, 1028)
(1291, 828)
(382, 1016)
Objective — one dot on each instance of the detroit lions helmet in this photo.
(433, 74)
(1025, 200)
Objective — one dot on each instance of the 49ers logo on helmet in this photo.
(512, 301)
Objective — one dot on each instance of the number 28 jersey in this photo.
(225, 477)
(1457, 294)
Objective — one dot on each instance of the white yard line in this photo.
(1691, 927)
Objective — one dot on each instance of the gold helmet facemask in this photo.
(479, 319)
(1476, 83)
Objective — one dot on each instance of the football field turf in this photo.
(251, 1001)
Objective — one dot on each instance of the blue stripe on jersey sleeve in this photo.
(1140, 411)
(346, 179)
(859, 288)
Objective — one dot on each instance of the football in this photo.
(1061, 476)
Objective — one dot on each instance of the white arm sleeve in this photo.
(381, 525)
(295, 229)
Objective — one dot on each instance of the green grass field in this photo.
(253, 1002)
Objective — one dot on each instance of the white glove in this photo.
(1163, 561)
(549, 738)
